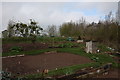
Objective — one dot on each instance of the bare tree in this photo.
(10, 28)
(4, 34)
(52, 30)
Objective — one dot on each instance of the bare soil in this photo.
(112, 73)
(37, 63)
(25, 46)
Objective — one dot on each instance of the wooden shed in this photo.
(91, 46)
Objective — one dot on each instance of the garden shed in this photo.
(91, 46)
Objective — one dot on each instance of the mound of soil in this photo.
(37, 63)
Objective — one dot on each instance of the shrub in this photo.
(16, 49)
(66, 45)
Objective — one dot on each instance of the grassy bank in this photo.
(64, 70)
(29, 39)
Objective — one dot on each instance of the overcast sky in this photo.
(48, 13)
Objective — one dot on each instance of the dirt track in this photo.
(32, 64)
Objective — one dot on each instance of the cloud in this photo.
(53, 12)
(60, 0)
(0, 18)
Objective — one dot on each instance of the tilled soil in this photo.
(25, 46)
(37, 63)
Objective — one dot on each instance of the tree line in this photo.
(105, 31)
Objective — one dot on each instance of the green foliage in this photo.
(16, 49)
(64, 70)
(103, 48)
(71, 69)
(70, 29)
(29, 39)
(16, 40)
(116, 65)
(67, 45)
(33, 39)
(5, 75)
(50, 39)
(106, 32)
(70, 39)
(32, 52)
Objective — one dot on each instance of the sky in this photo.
(48, 13)
(59, 0)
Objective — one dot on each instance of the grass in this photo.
(103, 58)
(103, 48)
(64, 70)
(16, 40)
(50, 39)
(32, 52)
(28, 40)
